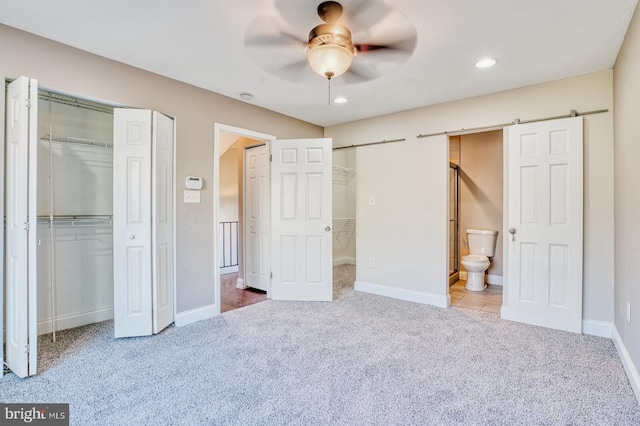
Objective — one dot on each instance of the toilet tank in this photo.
(482, 241)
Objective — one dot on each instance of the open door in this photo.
(545, 208)
(256, 218)
(162, 220)
(142, 222)
(301, 220)
(21, 278)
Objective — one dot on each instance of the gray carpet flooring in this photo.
(362, 359)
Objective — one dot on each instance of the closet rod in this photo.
(573, 113)
(60, 98)
(76, 140)
(370, 143)
(77, 218)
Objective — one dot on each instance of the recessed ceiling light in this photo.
(486, 63)
(341, 100)
(246, 96)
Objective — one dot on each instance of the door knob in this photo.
(328, 228)
(133, 237)
(513, 232)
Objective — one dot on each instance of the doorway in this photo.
(230, 147)
(475, 202)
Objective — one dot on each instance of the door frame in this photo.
(218, 129)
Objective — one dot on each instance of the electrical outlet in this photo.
(628, 312)
(372, 262)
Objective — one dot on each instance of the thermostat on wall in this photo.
(193, 182)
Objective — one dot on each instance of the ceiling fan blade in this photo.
(365, 13)
(265, 30)
(359, 73)
(297, 71)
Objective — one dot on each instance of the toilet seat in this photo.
(476, 260)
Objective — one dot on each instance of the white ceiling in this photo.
(203, 42)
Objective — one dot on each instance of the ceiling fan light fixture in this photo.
(330, 60)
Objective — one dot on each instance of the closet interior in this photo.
(344, 206)
(75, 211)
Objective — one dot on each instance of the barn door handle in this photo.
(513, 231)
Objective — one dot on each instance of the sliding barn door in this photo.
(21, 223)
(301, 220)
(142, 222)
(545, 183)
(162, 220)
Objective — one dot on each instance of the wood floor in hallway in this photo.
(234, 298)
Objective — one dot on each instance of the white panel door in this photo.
(545, 181)
(256, 218)
(162, 221)
(131, 223)
(301, 220)
(21, 262)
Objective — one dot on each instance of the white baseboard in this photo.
(597, 328)
(75, 320)
(489, 279)
(198, 314)
(228, 270)
(402, 294)
(627, 362)
(344, 260)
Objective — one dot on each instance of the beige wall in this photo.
(627, 193)
(412, 172)
(196, 110)
(229, 185)
(481, 190)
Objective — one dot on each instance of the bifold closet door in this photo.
(142, 253)
(21, 262)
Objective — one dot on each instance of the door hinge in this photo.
(271, 157)
(26, 226)
(271, 275)
(26, 348)
(29, 103)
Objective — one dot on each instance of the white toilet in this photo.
(482, 247)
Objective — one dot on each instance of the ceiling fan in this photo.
(363, 40)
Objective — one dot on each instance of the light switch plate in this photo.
(191, 196)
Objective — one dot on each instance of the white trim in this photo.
(597, 328)
(493, 279)
(403, 294)
(217, 129)
(489, 279)
(228, 270)
(75, 320)
(198, 314)
(629, 367)
(344, 260)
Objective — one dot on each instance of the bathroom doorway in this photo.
(475, 202)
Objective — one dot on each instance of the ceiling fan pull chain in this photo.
(329, 99)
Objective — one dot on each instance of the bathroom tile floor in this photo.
(489, 300)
